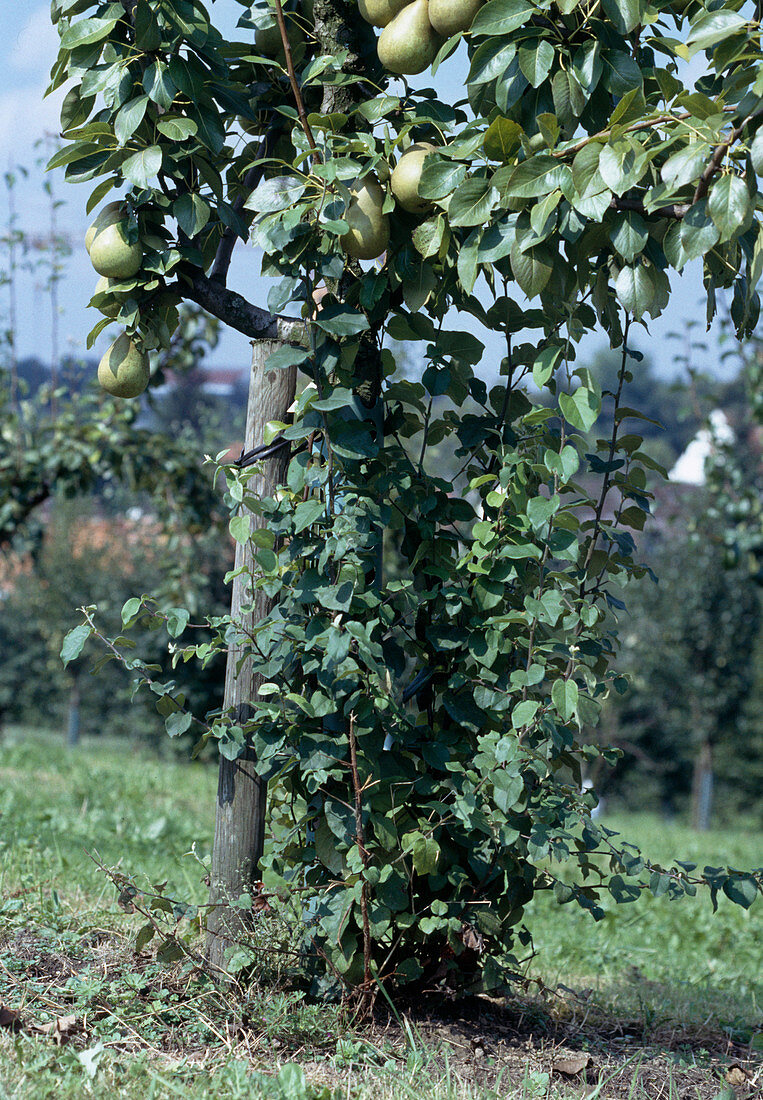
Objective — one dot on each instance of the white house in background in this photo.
(690, 467)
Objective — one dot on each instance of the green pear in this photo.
(368, 233)
(124, 371)
(109, 307)
(111, 213)
(406, 176)
(451, 16)
(409, 44)
(380, 12)
(112, 255)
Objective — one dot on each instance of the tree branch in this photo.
(234, 310)
(677, 210)
(221, 265)
(718, 155)
(293, 79)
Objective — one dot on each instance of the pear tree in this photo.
(420, 735)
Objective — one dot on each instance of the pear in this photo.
(380, 12)
(110, 307)
(112, 255)
(451, 16)
(111, 213)
(368, 234)
(409, 44)
(124, 371)
(406, 175)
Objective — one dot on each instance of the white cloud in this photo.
(36, 44)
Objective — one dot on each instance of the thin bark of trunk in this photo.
(702, 788)
(241, 795)
(73, 724)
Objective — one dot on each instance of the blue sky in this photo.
(27, 50)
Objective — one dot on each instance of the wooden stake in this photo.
(241, 795)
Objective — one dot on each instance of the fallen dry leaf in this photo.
(571, 1064)
(472, 939)
(737, 1076)
(60, 1029)
(10, 1018)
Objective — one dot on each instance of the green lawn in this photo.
(657, 991)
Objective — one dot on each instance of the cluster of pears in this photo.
(124, 369)
(368, 233)
(414, 31)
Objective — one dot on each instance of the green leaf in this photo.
(580, 409)
(523, 713)
(88, 30)
(626, 15)
(535, 61)
(635, 289)
(144, 937)
(148, 35)
(129, 118)
(466, 265)
(729, 205)
(74, 643)
(427, 237)
(130, 609)
(756, 152)
(169, 951)
(240, 528)
(176, 128)
(491, 59)
(440, 177)
(623, 892)
(714, 27)
(502, 139)
(531, 268)
(275, 194)
(472, 202)
(178, 723)
(622, 164)
(685, 166)
(564, 695)
(287, 356)
(540, 510)
(339, 320)
(159, 85)
(545, 364)
(502, 17)
(629, 235)
(326, 848)
(177, 620)
(307, 513)
(538, 176)
(569, 98)
(741, 889)
(192, 213)
(143, 166)
(425, 856)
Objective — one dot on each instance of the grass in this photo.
(664, 998)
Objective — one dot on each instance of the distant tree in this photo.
(687, 647)
(88, 556)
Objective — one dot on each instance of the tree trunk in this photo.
(241, 795)
(702, 788)
(73, 724)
